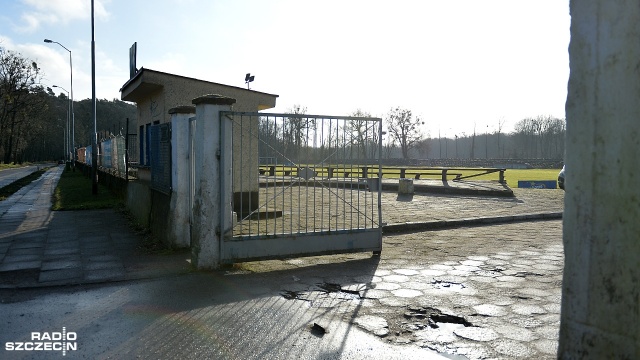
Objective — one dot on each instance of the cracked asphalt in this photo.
(476, 292)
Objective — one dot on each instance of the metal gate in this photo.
(302, 185)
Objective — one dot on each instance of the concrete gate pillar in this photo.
(179, 233)
(212, 192)
(601, 287)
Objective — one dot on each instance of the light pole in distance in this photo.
(73, 117)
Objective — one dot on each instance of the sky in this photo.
(457, 64)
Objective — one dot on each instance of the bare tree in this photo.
(364, 134)
(404, 129)
(542, 136)
(294, 131)
(19, 80)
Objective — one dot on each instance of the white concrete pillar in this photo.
(211, 189)
(178, 223)
(601, 287)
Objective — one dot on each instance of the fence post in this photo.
(126, 152)
(212, 165)
(178, 225)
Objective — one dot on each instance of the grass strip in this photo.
(74, 192)
(4, 166)
(15, 186)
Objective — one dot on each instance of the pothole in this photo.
(326, 294)
(434, 317)
(448, 285)
(348, 292)
(425, 323)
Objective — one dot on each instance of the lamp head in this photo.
(47, 41)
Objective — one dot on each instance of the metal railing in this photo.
(303, 197)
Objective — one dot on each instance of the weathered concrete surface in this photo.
(601, 296)
(139, 201)
(210, 159)
(504, 280)
(180, 206)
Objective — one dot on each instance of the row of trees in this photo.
(34, 121)
(539, 137)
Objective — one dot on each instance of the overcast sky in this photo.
(455, 64)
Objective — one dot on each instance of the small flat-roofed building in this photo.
(155, 93)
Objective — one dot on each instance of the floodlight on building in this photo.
(248, 78)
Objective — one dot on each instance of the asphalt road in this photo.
(196, 316)
(8, 176)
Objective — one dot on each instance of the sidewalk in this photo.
(40, 247)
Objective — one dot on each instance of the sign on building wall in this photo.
(132, 60)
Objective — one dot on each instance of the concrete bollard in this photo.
(405, 186)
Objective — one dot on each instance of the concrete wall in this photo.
(159, 217)
(601, 288)
(211, 175)
(139, 201)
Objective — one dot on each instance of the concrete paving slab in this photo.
(62, 276)
(103, 265)
(27, 244)
(20, 258)
(49, 252)
(61, 264)
(20, 265)
(106, 274)
(101, 258)
(26, 251)
(100, 251)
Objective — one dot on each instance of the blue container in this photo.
(538, 184)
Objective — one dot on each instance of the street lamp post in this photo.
(73, 117)
(67, 150)
(94, 140)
